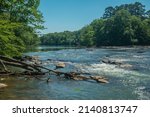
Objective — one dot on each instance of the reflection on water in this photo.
(125, 83)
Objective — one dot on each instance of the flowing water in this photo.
(131, 81)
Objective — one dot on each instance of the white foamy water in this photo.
(109, 70)
(129, 78)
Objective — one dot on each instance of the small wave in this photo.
(142, 95)
(128, 78)
(111, 70)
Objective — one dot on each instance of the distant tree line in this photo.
(19, 21)
(127, 24)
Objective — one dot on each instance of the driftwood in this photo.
(35, 70)
(17, 63)
(3, 65)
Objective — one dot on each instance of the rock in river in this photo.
(109, 61)
(2, 85)
(60, 65)
(99, 79)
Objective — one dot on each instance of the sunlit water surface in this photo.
(125, 83)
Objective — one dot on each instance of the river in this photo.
(130, 82)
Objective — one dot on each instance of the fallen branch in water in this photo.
(3, 65)
(34, 70)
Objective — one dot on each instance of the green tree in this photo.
(24, 13)
(109, 12)
(127, 24)
(121, 32)
(10, 44)
(143, 32)
(137, 9)
(118, 30)
(148, 14)
(87, 36)
(98, 28)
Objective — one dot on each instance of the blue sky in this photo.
(61, 15)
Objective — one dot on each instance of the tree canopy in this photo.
(127, 24)
(19, 21)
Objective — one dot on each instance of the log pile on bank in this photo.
(33, 69)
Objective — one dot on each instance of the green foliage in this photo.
(109, 12)
(127, 24)
(19, 20)
(118, 29)
(148, 14)
(87, 36)
(28, 35)
(143, 33)
(136, 9)
(10, 44)
(63, 38)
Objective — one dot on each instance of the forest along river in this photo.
(128, 80)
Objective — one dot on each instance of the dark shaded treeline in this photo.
(19, 21)
(127, 24)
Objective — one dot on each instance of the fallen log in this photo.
(18, 65)
(11, 60)
(3, 65)
(35, 70)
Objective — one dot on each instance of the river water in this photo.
(130, 81)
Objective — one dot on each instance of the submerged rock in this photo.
(102, 81)
(120, 64)
(2, 85)
(99, 79)
(109, 61)
(60, 65)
